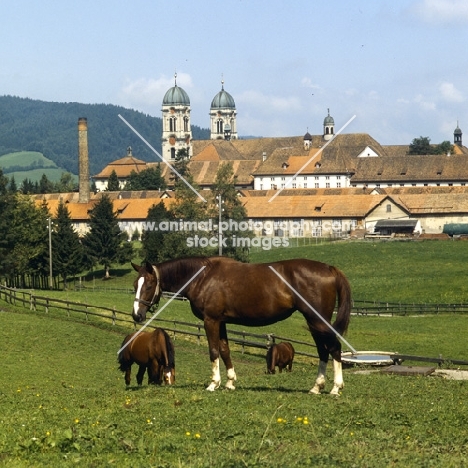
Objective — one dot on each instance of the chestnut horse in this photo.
(280, 355)
(222, 290)
(152, 351)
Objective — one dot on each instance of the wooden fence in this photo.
(111, 315)
(398, 308)
(245, 339)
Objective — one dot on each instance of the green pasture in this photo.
(392, 271)
(24, 161)
(64, 402)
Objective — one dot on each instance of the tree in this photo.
(3, 183)
(113, 184)
(236, 238)
(153, 240)
(45, 185)
(105, 243)
(66, 246)
(66, 183)
(422, 145)
(148, 179)
(23, 238)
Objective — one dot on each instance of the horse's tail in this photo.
(122, 356)
(170, 351)
(269, 359)
(343, 289)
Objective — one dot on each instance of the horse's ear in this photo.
(135, 267)
(149, 267)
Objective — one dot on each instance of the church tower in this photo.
(457, 136)
(223, 116)
(328, 127)
(177, 133)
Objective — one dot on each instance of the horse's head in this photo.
(169, 376)
(147, 290)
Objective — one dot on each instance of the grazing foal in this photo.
(152, 352)
(280, 355)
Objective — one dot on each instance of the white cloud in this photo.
(148, 93)
(424, 103)
(268, 104)
(450, 93)
(307, 83)
(441, 11)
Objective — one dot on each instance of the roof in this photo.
(122, 167)
(317, 203)
(129, 205)
(394, 223)
(176, 96)
(223, 100)
(430, 168)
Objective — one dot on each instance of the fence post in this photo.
(114, 316)
(47, 306)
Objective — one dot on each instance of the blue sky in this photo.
(400, 66)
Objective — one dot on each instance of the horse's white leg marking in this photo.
(320, 381)
(338, 382)
(215, 376)
(136, 304)
(232, 377)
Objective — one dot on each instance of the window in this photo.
(172, 124)
(294, 185)
(338, 184)
(305, 185)
(219, 126)
(389, 208)
(172, 153)
(316, 185)
(327, 185)
(186, 124)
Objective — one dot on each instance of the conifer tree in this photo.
(67, 251)
(105, 243)
(113, 184)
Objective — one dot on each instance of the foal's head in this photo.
(147, 290)
(169, 375)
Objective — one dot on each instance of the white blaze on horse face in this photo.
(136, 304)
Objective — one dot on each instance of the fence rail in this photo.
(398, 308)
(244, 339)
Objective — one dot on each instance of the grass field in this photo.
(26, 159)
(64, 403)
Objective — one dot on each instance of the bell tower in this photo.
(177, 132)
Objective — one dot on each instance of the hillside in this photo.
(50, 128)
(30, 165)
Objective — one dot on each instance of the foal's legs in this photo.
(226, 356)
(141, 374)
(128, 373)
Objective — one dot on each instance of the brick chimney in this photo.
(83, 160)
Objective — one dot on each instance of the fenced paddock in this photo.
(38, 303)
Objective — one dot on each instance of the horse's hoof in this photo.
(213, 386)
(335, 391)
(315, 390)
(230, 385)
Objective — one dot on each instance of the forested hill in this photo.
(51, 129)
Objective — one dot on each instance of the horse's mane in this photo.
(182, 267)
